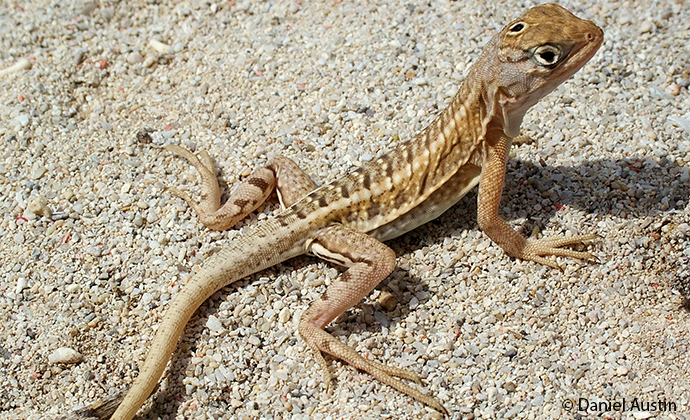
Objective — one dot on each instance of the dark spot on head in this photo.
(258, 183)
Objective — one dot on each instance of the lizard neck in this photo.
(475, 114)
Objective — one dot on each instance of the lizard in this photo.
(347, 221)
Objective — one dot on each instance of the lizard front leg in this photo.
(280, 172)
(514, 244)
(369, 262)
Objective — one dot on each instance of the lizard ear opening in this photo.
(517, 28)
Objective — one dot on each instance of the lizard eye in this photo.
(547, 55)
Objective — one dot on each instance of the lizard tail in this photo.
(182, 308)
(244, 256)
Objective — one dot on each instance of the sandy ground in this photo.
(94, 248)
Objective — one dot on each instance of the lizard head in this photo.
(534, 54)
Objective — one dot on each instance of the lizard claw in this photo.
(536, 249)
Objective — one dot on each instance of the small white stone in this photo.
(38, 170)
(149, 62)
(673, 89)
(23, 119)
(284, 315)
(161, 47)
(214, 324)
(646, 27)
(22, 283)
(135, 57)
(281, 374)
(21, 64)
(65, 355)
(94, 250)
(680, 121)
(39, 206)
(219, 376)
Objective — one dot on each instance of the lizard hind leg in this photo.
(369, 262)
(248, 196)
(292, 183)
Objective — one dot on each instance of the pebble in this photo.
(673, 89)
(387, 300)
(151, 216)
(284, 315)
(65, 355)
(39, 206)
(281, 374)
(21, 64)
(23, 119)
(161, 47)
(646, 27)
(135, 57)
(149, 61)
(214, 324)
(38, 170)
(22, 283)
(681, 122)
(94, 250)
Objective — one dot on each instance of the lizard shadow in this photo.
(633, 188)
(628, 188)
(636, 189)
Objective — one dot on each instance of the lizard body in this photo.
(346, 221)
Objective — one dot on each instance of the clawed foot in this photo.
(384, 373)
(248, 196)
(536, 249)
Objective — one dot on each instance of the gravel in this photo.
(95, 248)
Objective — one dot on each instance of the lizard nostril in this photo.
(590, 36)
